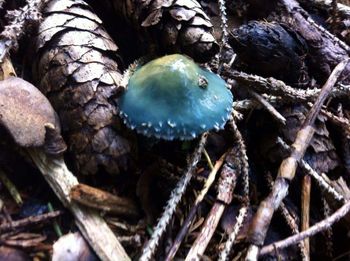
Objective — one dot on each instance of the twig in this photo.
(20, 20)
(286, 172)
(339, 121)
(318, 227)
(11, 188)
(274, 113)
(102, 200)
(232, 237)
(289, 218)
(175, 198)
(305, 210)
(29, 221)
(279, 88)
(243, 157)
(228, 177)
(324, 185)
(328, 232)
(90, 223)
(189, 219)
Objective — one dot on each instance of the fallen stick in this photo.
(32, 220)
(261, 221)
(92, 226)
(318, 227)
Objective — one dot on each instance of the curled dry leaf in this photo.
(76, 68)
(26, 114)
(175, 25)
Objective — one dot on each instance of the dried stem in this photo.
(318, 227)
(274, 113)
(189, 219)
(289, 218)
(243, 157)
(324, 185)
(11, 188)
(279, 88)
(29, 221)
(232, 237)
(174, 200)
(305, 210)
(227, 182)
(90, 223)
(286, 172)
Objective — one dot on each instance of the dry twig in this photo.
(286, 172)
(189, 219)
(174, 200)
(318, 227)
(29, 221)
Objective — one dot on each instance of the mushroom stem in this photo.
(91, 225)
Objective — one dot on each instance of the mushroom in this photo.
(32, 123)
(171, 97)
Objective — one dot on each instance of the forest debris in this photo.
(90, 223)
(11, 188)
(275, 114)
(29, 221)
(227, 182)
(174, 199)
(324, 185)
(287, 168)
(173, 25)
(318, 227)
(321, 43)
(13, 254)
(102, 200)
(77, 69)
(233, 235)
(305, 210)
(279, 88)
(291, 218)
(189, 219)
(72, 247)
(264, 48)
(61, 180)
(20, 21)
(24, 240)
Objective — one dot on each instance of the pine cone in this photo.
(76, 67)
(175, 25)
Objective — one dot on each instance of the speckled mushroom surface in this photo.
(173, 98)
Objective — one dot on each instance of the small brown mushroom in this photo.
(29, 117)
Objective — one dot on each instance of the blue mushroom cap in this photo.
(173, 98)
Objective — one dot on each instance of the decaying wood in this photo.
(287, 169)
(90, 223)
(102, 200)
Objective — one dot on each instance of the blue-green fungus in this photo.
(171, 97)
